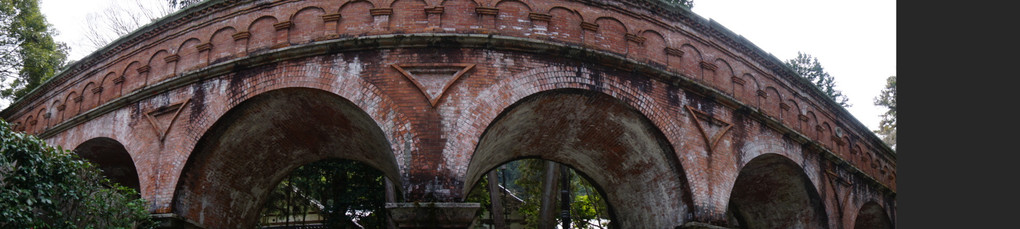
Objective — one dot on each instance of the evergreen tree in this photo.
(47, 187)
(887, 127)
(808, 67)
(28, 54)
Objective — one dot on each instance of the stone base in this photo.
(433, 215)
(700, 225)
(170, 220)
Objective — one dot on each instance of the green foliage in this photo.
(28, 54)
(808, 67)
(887, 127)
(524, 178)
(46, 187)
(331, 188)
(530, 180)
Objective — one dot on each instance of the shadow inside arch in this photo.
(772, 191)
(615, 145)
(112, 158)
(247, 151)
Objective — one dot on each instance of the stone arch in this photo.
(458, 15)
(308, 25)
(792, 115)
(611, 35)
(825, 136)
(217, 187)
(188, 55)
(512, 18)
(771, 99)
(56, 110)
(262, 34)
(654, 48)
(746, 88)
(723, 76)
(160, 68)
(408, 16)
(565, 25)
(872, 216)
(43, 121)
(354, 18)
(773, 191)
(90, 98)
(335, 78)
(73, 103)
(110, 156)
(29, 126)
(134, 78)
(223, 45)
(111, 88)
(811, 127)
(690, 63)
(855, 153)
(618, 148)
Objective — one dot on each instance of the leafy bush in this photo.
(46, 187)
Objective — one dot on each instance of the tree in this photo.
(524, 178)
(28, 54)
(119, 19)
(46, 187)
(180, 4)
(684, 3)
(341, 192)
(887, 127)
(808, 67)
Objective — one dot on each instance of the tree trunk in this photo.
(497, 202)
(547, 213)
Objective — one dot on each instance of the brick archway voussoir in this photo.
(312, 75)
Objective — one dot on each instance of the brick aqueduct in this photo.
(679, 122)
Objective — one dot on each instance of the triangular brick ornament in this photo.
(156, 117)
(713, 128)
(432, 79)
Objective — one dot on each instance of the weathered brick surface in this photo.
(658, 83)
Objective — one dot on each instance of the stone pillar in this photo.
(488, 19)
(282, 33)
(330, 23)
(497, 203)
(540, 24)
(381, 18)
(435, 17)
(546, 212)
(171, 220)
(591, 33)
(433, 214)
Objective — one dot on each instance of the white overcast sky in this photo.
(855, 41)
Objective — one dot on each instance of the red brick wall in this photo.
(657, 64)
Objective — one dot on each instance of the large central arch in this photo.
(253, 146)
(617, 147)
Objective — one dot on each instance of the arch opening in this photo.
(330, 193)
(112, 158)
(241, 158)
(772, 191)
(872, 215)
(530, 192)
(613, 144)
